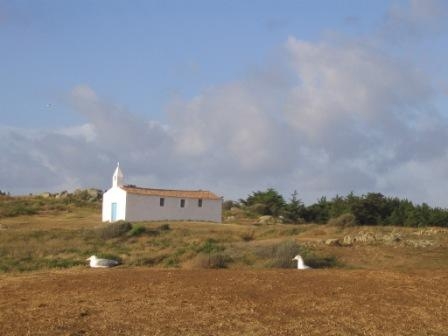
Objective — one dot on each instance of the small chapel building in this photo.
(131, 203)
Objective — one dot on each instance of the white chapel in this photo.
(131, 203)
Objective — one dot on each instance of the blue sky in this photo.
(324, 97)
(142, 53)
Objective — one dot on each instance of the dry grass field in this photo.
(377, 280)
(142, 301)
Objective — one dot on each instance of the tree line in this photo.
(369, 209)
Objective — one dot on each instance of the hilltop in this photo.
(40, 232)
(374, 280)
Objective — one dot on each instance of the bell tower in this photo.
(117, 179)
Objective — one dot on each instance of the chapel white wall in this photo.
(114, 195)
(144, 207)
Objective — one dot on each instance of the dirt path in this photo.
(137, 301)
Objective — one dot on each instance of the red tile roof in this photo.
(204, 194)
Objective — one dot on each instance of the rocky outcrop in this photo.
(62, 194)
(367, 237)
(94, 193)
(230, 219)
(332, 242)
(418, 243)
(90, 194)
(431, 231)
(263, 220)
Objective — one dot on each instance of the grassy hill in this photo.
(47, 232)
(379, 280)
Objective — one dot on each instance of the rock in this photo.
(365, 237)
(62, 194)
(235, 210)
(347, 241)
(266, 220)
(332, 242)
(230, 219)
(431, 231)
(93, 193)
(418, 243)
(77, 191)
(392, 238)
(45, 195)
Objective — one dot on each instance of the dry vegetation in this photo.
(67, 239)
(378, 280)
(144, 301)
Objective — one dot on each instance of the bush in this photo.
(280, 255)
(115, 230)
(149, 261)
(210, 255)
(164, 227)
(152, 232)
(321, 262)
(344, 220)
(248, 236)
(136, 230)
(171, 261)
(214, 260)
(209, 246)
(268, 202)
(21, 210)
(12, 208)
(62, 263)
(227, 205)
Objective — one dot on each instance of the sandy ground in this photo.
(139, 301)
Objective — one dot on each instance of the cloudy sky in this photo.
(322, 97)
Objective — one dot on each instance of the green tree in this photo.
(318, 212)
(371, 209)
(338, 206)
(294, 210)
(268, 202)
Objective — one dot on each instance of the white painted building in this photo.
(130, 203)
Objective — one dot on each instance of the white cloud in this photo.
(85, 132)
(352, 98)
(230, 126)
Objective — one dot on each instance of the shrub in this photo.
(321, 262)
(152, 232)
(209, 246)
(248, 236)
(227, 205)
(21, 209)
(290, 232)
(284, 253)
(214, 260)
(115, 230)
(148, 261)
(17, 207)
(268, 202)
(344, 220)
(280, 255)
(171, 261)
(136, 230)
(164, 227)
(211, 255)
(62, 263)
